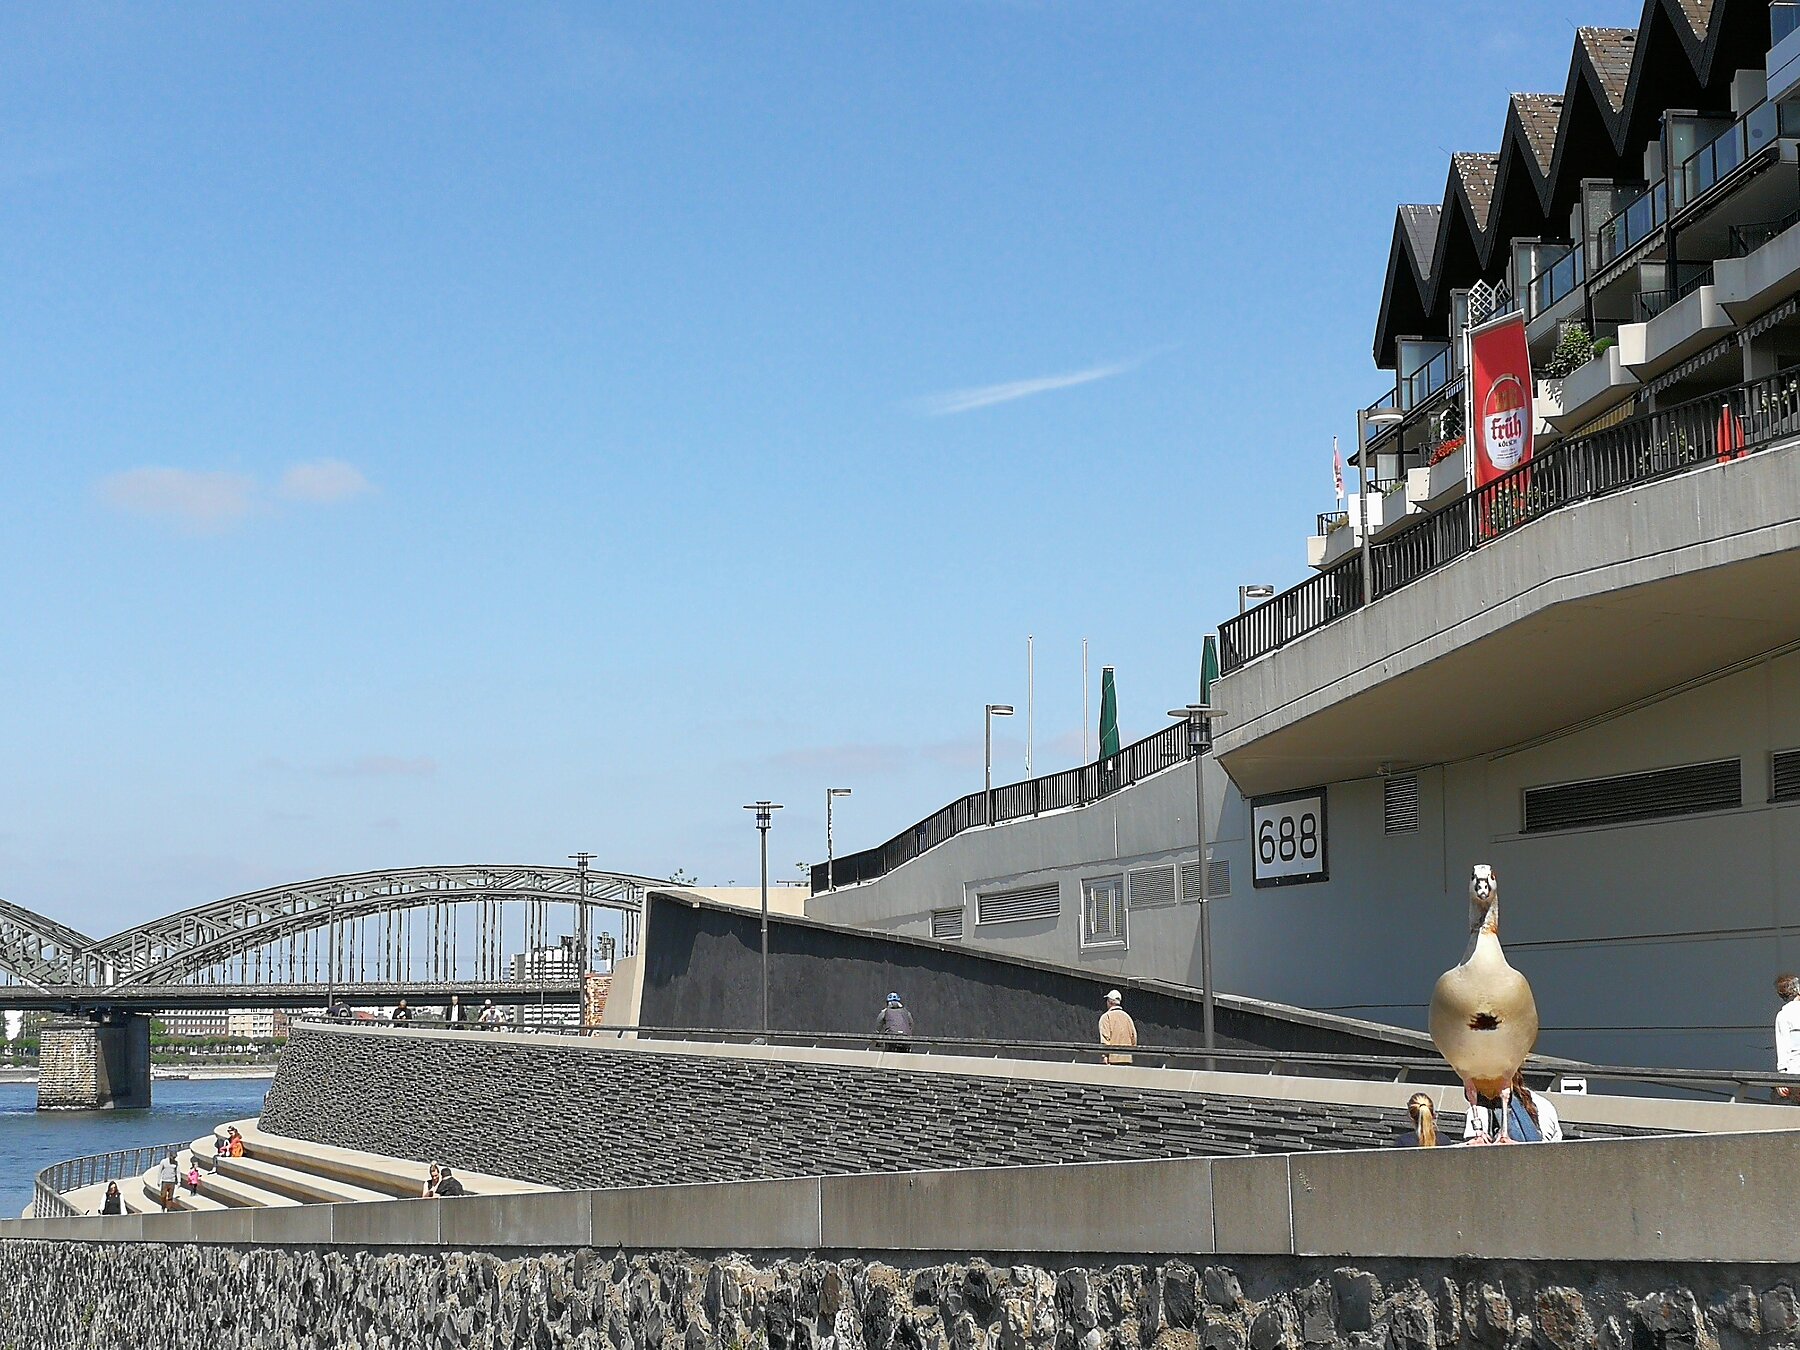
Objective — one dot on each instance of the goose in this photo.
(1483, 1017)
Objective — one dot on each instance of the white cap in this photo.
(1114, 996)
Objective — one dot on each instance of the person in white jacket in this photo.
(1531, 1114)
(1787, 1031)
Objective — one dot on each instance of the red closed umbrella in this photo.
(1729, 440)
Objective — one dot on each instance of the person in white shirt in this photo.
(1533, 1119)
(1787, 1030)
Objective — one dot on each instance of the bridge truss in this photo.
(428, 927)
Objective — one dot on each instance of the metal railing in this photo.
(1784, 18)
(1730, 150)
(56, 1181)
(1629, 226)
(1746, 239)
(1557, 278)
(1012, 801)
(1733, 1084)
(1688, 436)
(1420, 384)
(1332, 520)
(1646, 305)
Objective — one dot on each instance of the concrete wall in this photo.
(1647, 943)
(158, 1297)
(702, 968)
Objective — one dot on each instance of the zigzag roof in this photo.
(1683, 53)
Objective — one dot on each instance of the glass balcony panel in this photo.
(1784, 18)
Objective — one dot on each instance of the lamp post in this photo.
(992, 711)
(1199, 724)
(1366, 418)
(765, 813)
(830, 795)
(1248, 593)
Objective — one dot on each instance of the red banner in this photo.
(1500, 398)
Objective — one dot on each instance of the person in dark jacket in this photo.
(114, 1202)
(894, 1023)
(448, 1185)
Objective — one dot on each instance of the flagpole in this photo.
(1030, 699)
(1084, 702)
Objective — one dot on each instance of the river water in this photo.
(31, 1140)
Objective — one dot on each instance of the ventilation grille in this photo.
(1103, 913)
(1218, 879)
(1784, 776)
(1028, 902)
(1150, 887)
(1716, 786)
(1400, 804)
(947, 923)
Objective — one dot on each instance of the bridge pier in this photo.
(94, 1063)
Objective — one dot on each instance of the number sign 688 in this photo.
(1288, 834)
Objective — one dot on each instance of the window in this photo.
(947, 923)
(1150, 887)
(1715, 786)
(1103, 912)
(1026, 902)
(1400, 804)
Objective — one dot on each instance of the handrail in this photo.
(1657, 445)
(52, 1184)
(1012, 801)
(1732, 1083)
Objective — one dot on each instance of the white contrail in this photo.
(987, 395)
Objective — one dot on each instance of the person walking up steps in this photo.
(1116, 1027)
(166, 1178)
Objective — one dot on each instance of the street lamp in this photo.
(765, 813)
(992, 711)
(1198, 717)
(830, 794)
(1248, 593)
(1366, 418)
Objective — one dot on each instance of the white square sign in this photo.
(1287, 838)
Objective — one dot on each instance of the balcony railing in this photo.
(1629, 226)
(1646, 305)
(1762, 413)
(1746, 239)
(1426, 380)
(1557, 279)
(1014, 801)
(1730, 150)
(1784, 18)
(1332, 520)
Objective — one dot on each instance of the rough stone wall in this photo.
(68, 1066)
(142, 1296)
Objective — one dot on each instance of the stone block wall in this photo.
(164, 1297)
(84, 1065)
(579, 1113)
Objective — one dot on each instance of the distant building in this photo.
(244, 1024)
(257, 1024)
(561, 963)
(197, 1023)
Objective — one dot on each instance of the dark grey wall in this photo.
(575, 1112)
(703, 969)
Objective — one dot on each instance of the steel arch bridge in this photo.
(492, 928)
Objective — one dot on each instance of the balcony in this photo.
(1736, 146)
(1339, 535)
(1763, 414)
(1533, 603)
(1630, 227)
(1438, 484)
(1591, 390)
(1766, 272)
(1687, 326)
(1556, 294)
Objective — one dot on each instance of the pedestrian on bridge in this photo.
(1116, 1027)
(401, 1012)
(490, 1016)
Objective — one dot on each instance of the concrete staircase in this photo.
(277, 1171)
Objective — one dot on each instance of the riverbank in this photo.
(197, 1073)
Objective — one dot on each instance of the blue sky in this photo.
(476, 433)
